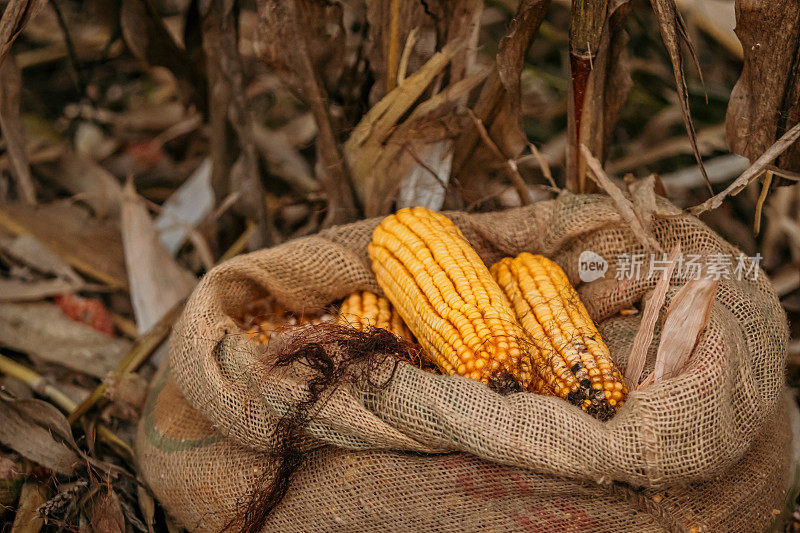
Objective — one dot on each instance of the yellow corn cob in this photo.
(571, 360)
(447, 297)
(363, 310)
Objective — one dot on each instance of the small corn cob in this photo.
(447, 297)
(363, 310)
(571, 360)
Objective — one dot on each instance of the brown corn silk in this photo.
(710, 448)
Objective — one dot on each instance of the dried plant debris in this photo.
(43, 331)
(157, 282)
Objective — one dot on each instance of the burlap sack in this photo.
(201, 457)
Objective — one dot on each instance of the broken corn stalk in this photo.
(570, 360)
(363, 310)
(447, 297)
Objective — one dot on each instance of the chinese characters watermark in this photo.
(592, 266)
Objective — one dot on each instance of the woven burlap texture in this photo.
(203, 478)
(684, 429)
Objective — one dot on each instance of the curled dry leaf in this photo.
(16, 15)
(687, 317)
(495, 103)
(38, 431)
(765, 102)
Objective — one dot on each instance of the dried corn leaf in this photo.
(185, 208)
(12, 290)
(374, 125)
(96, 253)
(38, 431)
(494, 104)
(369, 140)
(147, 505)
(426, 183)
(87, 180)
(687, 317)
(462, 18)
(717, 19)
(26, 249)
(673, 31)
(514, 45)
(44, 332)
(624, 205)
(432, 121)
(644, 336)
(390, 24)
(157, 282)
(753, 171)
(105, 512)
(643, 198)
(765, 101)
(284, 159)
